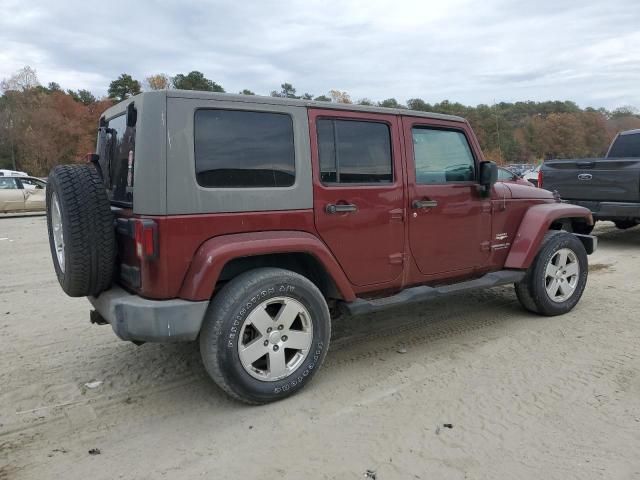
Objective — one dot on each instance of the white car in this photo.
(532, 175)
(22, 194)
(12, 173)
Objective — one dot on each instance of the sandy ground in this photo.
(527, 397)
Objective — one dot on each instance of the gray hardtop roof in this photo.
(631, 132)
(195, 94)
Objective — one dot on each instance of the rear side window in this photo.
(120, 149)
(354, 152)
(8, 183)
(237, 149)
(442, 156)
(626, 146)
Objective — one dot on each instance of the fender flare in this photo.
(215, 253)
(533, 227)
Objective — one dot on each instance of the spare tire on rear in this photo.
(81, 232)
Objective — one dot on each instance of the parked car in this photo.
(22, 194)
(259, 219)
(520, 168)
(609, 186)
(532, 176)
(505, 175)
(12, 173)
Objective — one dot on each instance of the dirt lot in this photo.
(526, 397)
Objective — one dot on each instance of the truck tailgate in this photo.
(613, 180)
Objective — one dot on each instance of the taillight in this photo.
(540, 177)
(146, 236)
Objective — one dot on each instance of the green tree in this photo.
(196, 81)
(390, 103)
(124, 87)
(366, 102)
(322, 98)
(83, 96)
(286, 91)
(54, 87)
(246, 92)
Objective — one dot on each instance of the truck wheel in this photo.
(81, 233)
(557, 277)
(265, 335)
(625, 224)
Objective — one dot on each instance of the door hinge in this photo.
(397, 258)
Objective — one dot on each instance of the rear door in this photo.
(615, 180)
(358, 193)
(11, 195)
(449, 223)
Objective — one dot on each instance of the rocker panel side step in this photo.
(423, 293)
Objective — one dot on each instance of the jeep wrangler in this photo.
(248, 222)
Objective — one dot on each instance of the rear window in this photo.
(236, 149)
(626, 146)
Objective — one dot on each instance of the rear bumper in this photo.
(137, 319)
(610, 210)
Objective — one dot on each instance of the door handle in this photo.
(340, 208)
(424, 203)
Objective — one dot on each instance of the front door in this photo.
(358, 193)
(449, 221)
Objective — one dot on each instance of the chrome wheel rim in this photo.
(275, 339)
(58, 236)
(561, 275)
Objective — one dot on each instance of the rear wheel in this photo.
(81, 233)
(265, 335)
(557, 277)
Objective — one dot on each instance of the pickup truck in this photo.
(609, 186)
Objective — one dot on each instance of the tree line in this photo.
(43, 126)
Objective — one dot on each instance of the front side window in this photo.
(626, 146)
(442, 156)
(354, 151)
(235, 149)
(8, 183)
(32, 183)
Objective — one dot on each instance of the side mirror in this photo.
(488, 176)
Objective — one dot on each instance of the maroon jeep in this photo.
(248, 222)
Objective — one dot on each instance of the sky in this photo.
(481, 51)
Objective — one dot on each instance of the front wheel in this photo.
(265, 335)
(557, 277)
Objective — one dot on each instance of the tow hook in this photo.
(96, 318)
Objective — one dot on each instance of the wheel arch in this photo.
(222, 258)
(536, 222)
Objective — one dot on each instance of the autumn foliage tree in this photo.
(41, 127)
